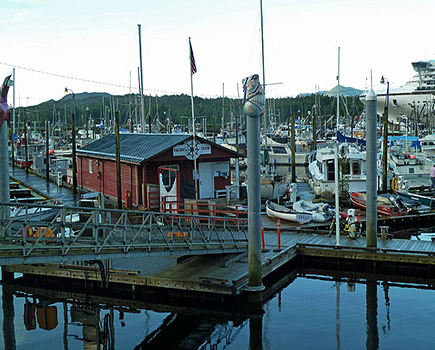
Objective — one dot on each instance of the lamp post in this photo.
(73, 122)
(385, 136)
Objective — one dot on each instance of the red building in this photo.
(153, 165)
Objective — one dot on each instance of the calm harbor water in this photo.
(311, 312)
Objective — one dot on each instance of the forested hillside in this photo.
(175, 108)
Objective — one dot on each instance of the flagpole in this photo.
(193, 117)
(142, 109)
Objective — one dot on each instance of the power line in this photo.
(100, 82)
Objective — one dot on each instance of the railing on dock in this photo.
(205, 208)
(51, 230)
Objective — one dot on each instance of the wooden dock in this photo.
(227, 274)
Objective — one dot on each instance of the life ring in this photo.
(395, 184)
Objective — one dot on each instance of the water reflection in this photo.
(302, 314)
(8, 319)
(372, 315)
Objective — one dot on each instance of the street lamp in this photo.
(385, 136)
(73, 122)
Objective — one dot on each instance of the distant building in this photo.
(154, 166)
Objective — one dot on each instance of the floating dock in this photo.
(227, 274)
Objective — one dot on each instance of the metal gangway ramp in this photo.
(38, 233)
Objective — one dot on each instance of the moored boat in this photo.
(320, 211)
(424, 200)
(322, 167)
(388, 205)
(279, 211)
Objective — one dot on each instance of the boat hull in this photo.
(428, 201)
(359, 201)
(278, 211)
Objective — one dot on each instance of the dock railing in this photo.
(36, 229)
(205, 208)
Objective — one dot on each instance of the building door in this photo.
(169, 187)
(206, 180)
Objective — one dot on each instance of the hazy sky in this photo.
(98, 41)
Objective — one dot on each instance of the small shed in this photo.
(155, 166)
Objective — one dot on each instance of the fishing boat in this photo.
(388, 205)
(428, 145)
(321, 212)
(406, 158)
(424, 200)
(275, 210)
(322, 172)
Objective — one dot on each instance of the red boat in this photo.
(386, 205)
(21, 162)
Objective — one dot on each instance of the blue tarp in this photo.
(415, 143)
(342, 138)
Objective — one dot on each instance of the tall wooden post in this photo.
(74, 159)
(47, 151)
(293, 148)
(314, 130)
(118, 162)
(26, 147)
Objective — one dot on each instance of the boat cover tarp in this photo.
(342, 138)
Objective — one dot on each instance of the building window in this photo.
(330, 171)
(356, 169)
(90, 166)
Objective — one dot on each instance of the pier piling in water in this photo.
(253, 106)
(371, 223)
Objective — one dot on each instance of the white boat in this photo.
(415, 95)
(278, 211)
(277, 153)
(409, 162)
(428, 145)
(322, 170)
(320, 211)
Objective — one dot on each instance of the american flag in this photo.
(192, 60)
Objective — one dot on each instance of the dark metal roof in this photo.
(134, 147)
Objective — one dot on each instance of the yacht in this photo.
(416, 95)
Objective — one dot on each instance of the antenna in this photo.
(371, 79)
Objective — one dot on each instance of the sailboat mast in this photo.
(336, 170)
(338, 90)
(264, 90)
(264, 74)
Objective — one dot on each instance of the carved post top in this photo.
(253, 98)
